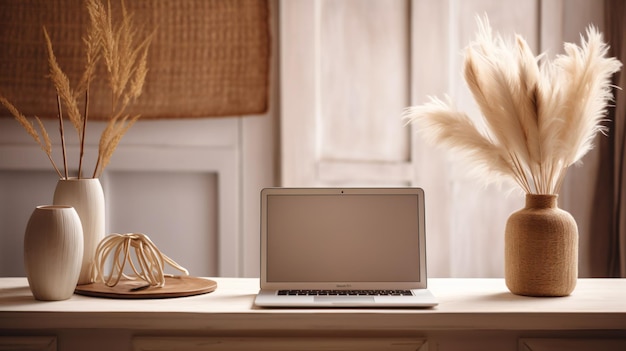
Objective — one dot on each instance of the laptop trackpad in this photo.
(343, 299)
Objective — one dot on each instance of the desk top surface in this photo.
(464, 302)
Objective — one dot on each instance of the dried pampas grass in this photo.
(111, 136)
(124, 54)
(540, 116)
(45, 145)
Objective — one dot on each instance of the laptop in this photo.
(343, 247)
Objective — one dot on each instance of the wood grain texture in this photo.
(32, 343)
(473, 314)
(468, 304)
(139, 289)
(276, 343)
(579, 344)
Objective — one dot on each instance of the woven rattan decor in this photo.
(208, 58)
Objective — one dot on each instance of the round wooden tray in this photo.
(134, 289)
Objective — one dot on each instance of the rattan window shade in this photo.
(209, 58)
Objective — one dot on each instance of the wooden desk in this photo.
(474, 314)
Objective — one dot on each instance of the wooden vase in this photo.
(87, 197)
(541, 249)
(53, 252)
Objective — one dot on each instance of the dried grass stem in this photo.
(125, 57)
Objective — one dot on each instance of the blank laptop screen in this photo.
(341, 238)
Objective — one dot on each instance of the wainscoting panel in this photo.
(176, 210)
(176, 181)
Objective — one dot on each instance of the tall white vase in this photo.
(87, 197)
(53, 252)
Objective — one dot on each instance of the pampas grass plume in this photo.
(540, 116)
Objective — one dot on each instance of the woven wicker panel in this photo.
(208, 58)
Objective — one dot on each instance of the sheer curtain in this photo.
(608, 249)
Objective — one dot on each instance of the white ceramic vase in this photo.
(53, 252)
(87, 197)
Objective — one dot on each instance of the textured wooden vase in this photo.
(53, 252)
(87, 197)
(541, 249)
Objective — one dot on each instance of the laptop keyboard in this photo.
(346, 292)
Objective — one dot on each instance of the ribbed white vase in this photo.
(87, 197)
(53, 252)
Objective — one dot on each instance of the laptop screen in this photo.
(342, 236)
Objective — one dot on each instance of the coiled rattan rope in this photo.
(151, 261)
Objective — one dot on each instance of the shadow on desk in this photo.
(16, 296)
